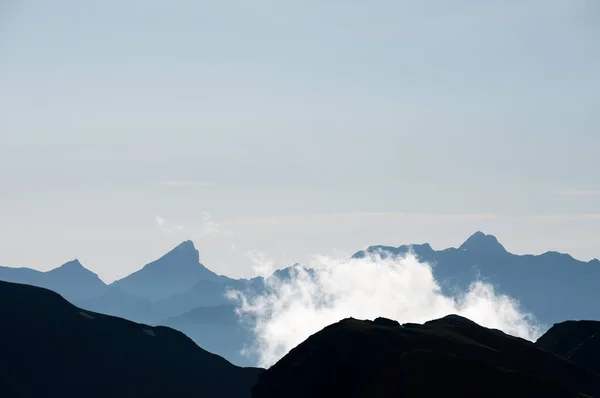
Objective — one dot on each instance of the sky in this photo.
(294, 128)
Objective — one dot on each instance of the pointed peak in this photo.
(478, 235)
(594, 261)
(184, 251)
(185, 245)
(73, 264)
(482, 242)
(73, 267)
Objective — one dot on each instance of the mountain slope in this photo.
(452, 356)
(116, 302)
(174, 273)
(71, 280)
(52, 348)
(206, 294)
(217, 329)
(527, 278)
(577, 341)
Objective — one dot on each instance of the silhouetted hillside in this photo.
(217, 329)
(577, 341)
(448, 357)
(49, 347)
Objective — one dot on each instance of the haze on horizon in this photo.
(294, 129)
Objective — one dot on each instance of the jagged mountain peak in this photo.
(185, 251)
(173, 273)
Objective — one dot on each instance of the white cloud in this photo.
(399, 288)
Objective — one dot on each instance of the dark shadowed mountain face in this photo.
(51, 348)
(577, 341)
(175, 272)
(452, 356)
(71, 279)
(527, 278)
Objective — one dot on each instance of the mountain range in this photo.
(527, 278)
(177, 290)
(51, 347)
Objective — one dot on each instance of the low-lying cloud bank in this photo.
(400, 288)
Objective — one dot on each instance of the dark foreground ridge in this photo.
(50, 348)
(577, 341)
(451, 356)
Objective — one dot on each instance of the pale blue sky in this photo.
(274, 116)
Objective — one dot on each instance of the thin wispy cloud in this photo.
(206, 227)
(307, 218)
(185, 184)
(579, 192)
(167, 229)
(566, 217)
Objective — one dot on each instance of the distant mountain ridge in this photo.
(171, 288)
(177, 271)
(526, 278)
(72, 279)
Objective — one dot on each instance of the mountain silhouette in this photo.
(207, 293)
(52, 348)
(526, 278)
(177, 283)
(117, 302)
(451, 356)
(217, 329)
(482, 243)
(175, 272)
(577, 341)
(71, 279)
